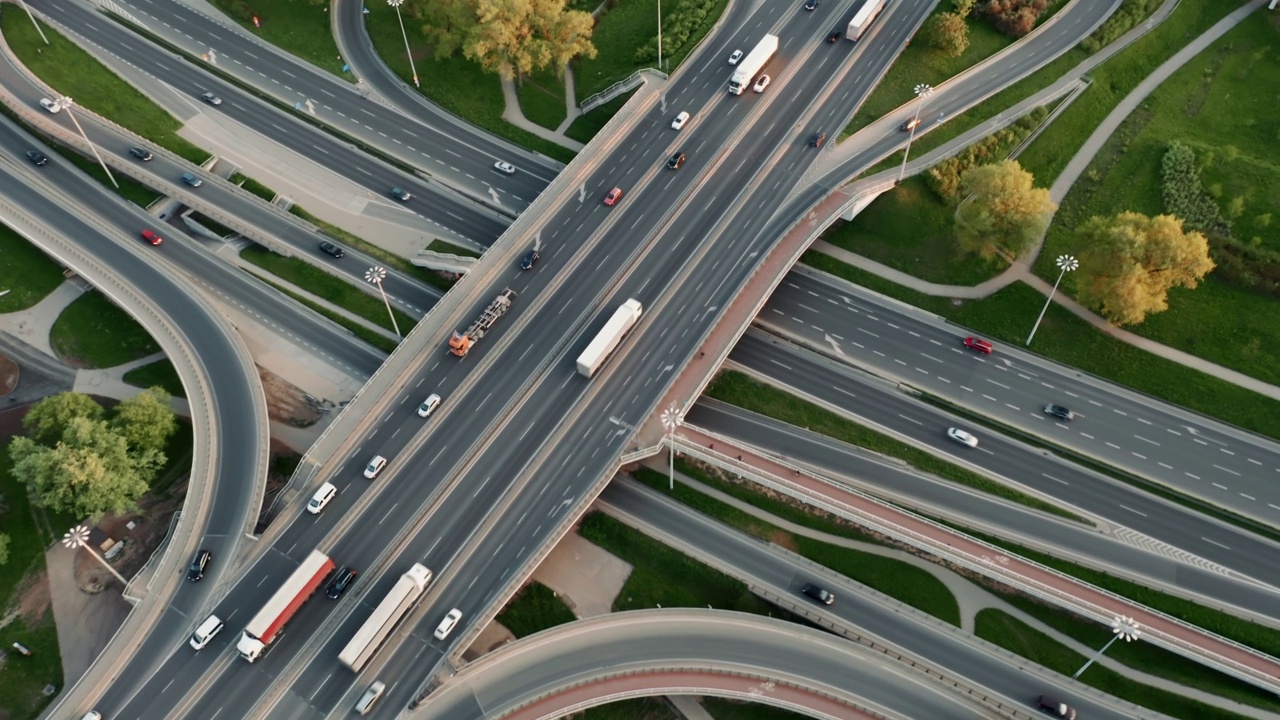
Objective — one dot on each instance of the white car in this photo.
(50, 105)
(680, 120)
(375, 466)
(735, 57)
(429, 405)
(762, 82)
(446, 625)
(505, 168)
(962, 437)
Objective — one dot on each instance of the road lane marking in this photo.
(1224, 547)
(1153, 442)
(1255, 462)
(1248, 497)
(1226, 451)
(1064, 482)
(993, 382)
(1140, 457)
(1220, 486)
(1233, 472)
(1166, 467)
(1135, 512)
(904, 417)
(1193, 477)
(1112, 445)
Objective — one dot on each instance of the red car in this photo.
(613, 196)
(982, 346)
(151, 237)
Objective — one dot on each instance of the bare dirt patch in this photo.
(8, 375)
(286, 402)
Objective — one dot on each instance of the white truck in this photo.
(403, 596)
(624, 318)
(863, 18)
(265, 627)
(753, 63)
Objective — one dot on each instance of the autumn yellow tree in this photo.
(1003, 212)
(1130, 262)
(510, 37)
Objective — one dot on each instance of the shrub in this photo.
(944, 178)
(1014, 18)
(680, 26)
(1124, 19)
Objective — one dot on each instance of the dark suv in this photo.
(675, 161)
(340, 582)
(198, 564)
(817, 139)
(1059, 412)
(817, 593)
(330, 249)
(1055, 708)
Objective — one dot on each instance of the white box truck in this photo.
(744, 74)
(863, 18)
(624, 318)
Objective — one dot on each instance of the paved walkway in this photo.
(33, 325)
(514, 115)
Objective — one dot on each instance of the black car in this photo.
(329, 248)
(531, 257)
(198, 564)
(675, 161)
(1055, 708)
(1059, 412)
(810, 4)
(141, 153)
(37, 157)
(817, 139)
(835, 35)
(340, 582)
(817, 593)
(401, 194)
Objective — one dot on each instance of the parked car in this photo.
(375, 467)
(1054, 708)
(530, 258)
(982, 346)
(198, 565)
(342, 580)
(332, 250)
(962, 437)
(835, 36)
(613, 196)
(817, 139)
(37, 157)
(211, 98)
(680, 120)
(446, 625)
(819, 594)
(733, 60)
(141, 153)
(675, 161)
(762, 82)
(401, 194)
(505, 168)
(429, 405)
(150, 236)
(50, 105)
(1059, 412)
(191, 180)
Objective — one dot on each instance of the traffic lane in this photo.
(449, 215)
(959, 652)
(1015, 391)
(1153, 560)
(1044, 473)
(198, 34)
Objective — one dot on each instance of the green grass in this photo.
(455, 84)
(330, 287)
(542, 98)
(535, 608)
(644, 708)
(911, 230)
(726, 709)
(76, 74)
(1016, 636)
(739, 389)
(584, 127)
(1009, 314)
(130, 189)
(253, 186)
(93, 333)
(27, 273)
(663, 576)
(296, 26)
(375, 339)
(157, 374)
(903, 581)
(1148, 658)
(178, 453)
(1211, 105)
(212, 225)
(391, 259)
(449, 248)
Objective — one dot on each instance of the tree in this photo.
(447, 23)
(146, 421)
(48, 420)
(89, 472)
(948, 33)
(1004, 212)
(510, 37)
(1131, 261)
(4, 549)
(963, 7)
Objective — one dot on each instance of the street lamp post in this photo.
(1066, 264)
(66, 104)
(33, 21)
(1121, 627)
(671, 420)
(375, 275)
(923, 90)
(396, 4)
(660, 34)
(78, 537)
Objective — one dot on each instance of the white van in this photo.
(446, 625)
(321, 498)
(370, 698)
(203, 634)
(92, 715)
